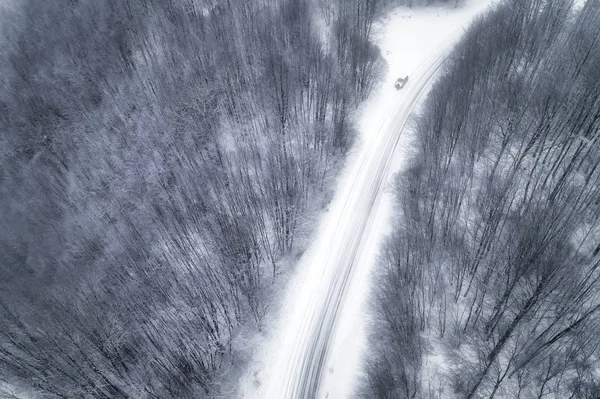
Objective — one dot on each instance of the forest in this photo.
(489, 285)
(157, 161)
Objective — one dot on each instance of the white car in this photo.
(400, 82)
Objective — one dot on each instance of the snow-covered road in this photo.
(310, 355)
(301, 372)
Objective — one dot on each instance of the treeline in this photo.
(489, 285)
(157, 158)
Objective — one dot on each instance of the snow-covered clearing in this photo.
(413, 42)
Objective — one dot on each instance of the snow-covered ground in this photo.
(413, 42)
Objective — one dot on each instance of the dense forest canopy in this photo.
(157, 158)
(493, 270)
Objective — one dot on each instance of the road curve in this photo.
(300, 374)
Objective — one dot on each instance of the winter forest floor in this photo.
(160, 163)
(405, 37)
(196, 202)
(488, 285)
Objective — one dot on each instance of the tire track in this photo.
(303, 374)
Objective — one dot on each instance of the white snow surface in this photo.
(407, 38)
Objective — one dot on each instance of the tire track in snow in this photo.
(306, 365)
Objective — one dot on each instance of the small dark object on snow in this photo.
(400, 82)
